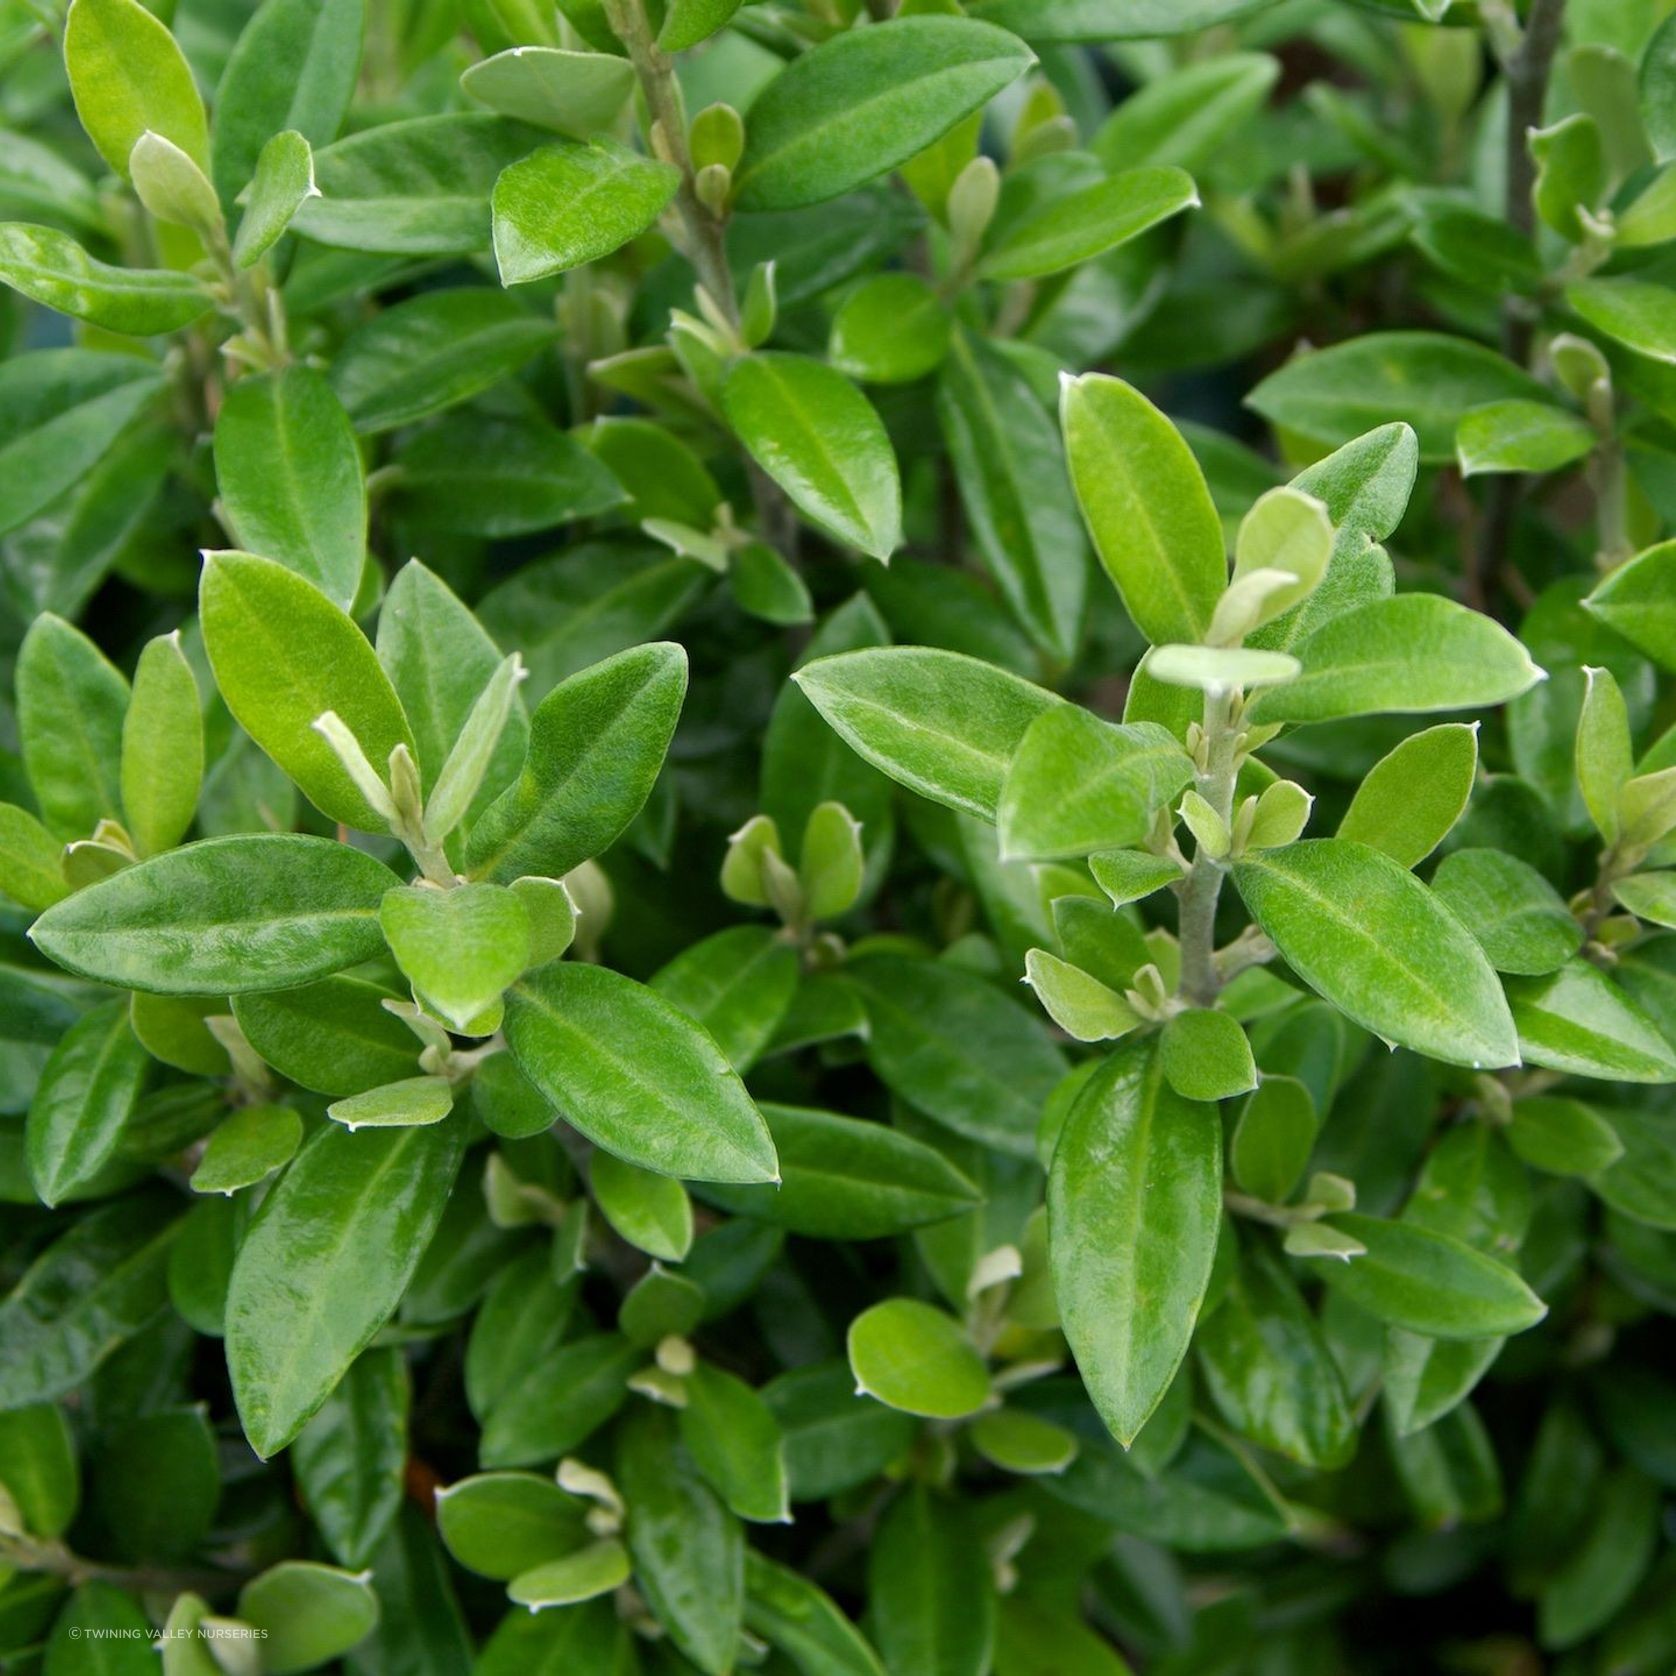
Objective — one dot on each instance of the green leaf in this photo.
(689, 1558)
(282, 184)
(560, 1402)
(308, 1613)
(1147, 507)
(957, 1049)
(86, 1095)
(53, 269)
(414, 188)
(1638, 1184)
(38, 1467)
(1516, 916)
(1368, 936)
(1077, 784)
(820, 439)
(1634, 312)
(1638, 600)
(575, 93)
(1570, 174)
(1134, 1207)
(1082, 225)
(735, 1442)
(432, 351)
(1083, 1006)
(1521, 436)
(247, 1147)
(415, 1102)
(460, 949)
(326, 1262)
(598, 1569)
(128, 76)
(227, 916)
(1562, 1136)
(941, 724)
(1412, 797)
(31, 860)
(1185, 115)
(283, 655)
(500, 1524)
(162, 748)
(1413, 653)
(930, 1590)
(917, 1359)
(589, 1636)
(1609, 1557)
(867, 100)
(351, 1458)
(335, 1037)
(1430, 1283)
(737, 984)
(597, 743)
(1010, 464)
(1272, 1141)
(294, 67)
(88, 1293)
(1206, 1056)
(1649, 896)
(636, 1076)
(70, 708)
(650, 1211)
(1427, 380)
(1269, 1368)
(793, 1614)
(1021, 1442)
(1129, 875)
(891, 329)
(60, 410)
(569, 204)
(288, 472)
(844, 1178)
(1578, 1021)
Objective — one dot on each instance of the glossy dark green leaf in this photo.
(737, 984)
(526, 1426)
(335, 1037)
(1134, 1208)
(931, 1599)
(325, 1264)
(87, 1093)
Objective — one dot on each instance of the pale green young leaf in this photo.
(1364, 933)
(1649, 896)
(1077, 784)
(283, 655)
(892, 329)
(944, 725)
(460, 949)
(1079, 1003)
(226, 916)
(1220, 669)
(162, 748)
(598, 1568)
(1279, 817)
(1638, 600)
(282, 184)
(820, 439)
(867, 100)
(52, 268)
(597, 743)
(831, 863)
(574, 93)
(173, 188)
(1415, 793)
(1605, 754)
(326, 1262)
(1412, 653)
(308, 1613)
(635, 1076)
(1146, 505)
(1637, 313)
(918, 1359)
(1129, 875)
(1571, 176)
(412, 1103)
(461, 777)
(1134, 1209)
(568, 204)
(127, 75)
(31, 860)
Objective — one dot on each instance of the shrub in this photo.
(819, 1040)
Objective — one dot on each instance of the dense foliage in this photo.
(836, 839)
